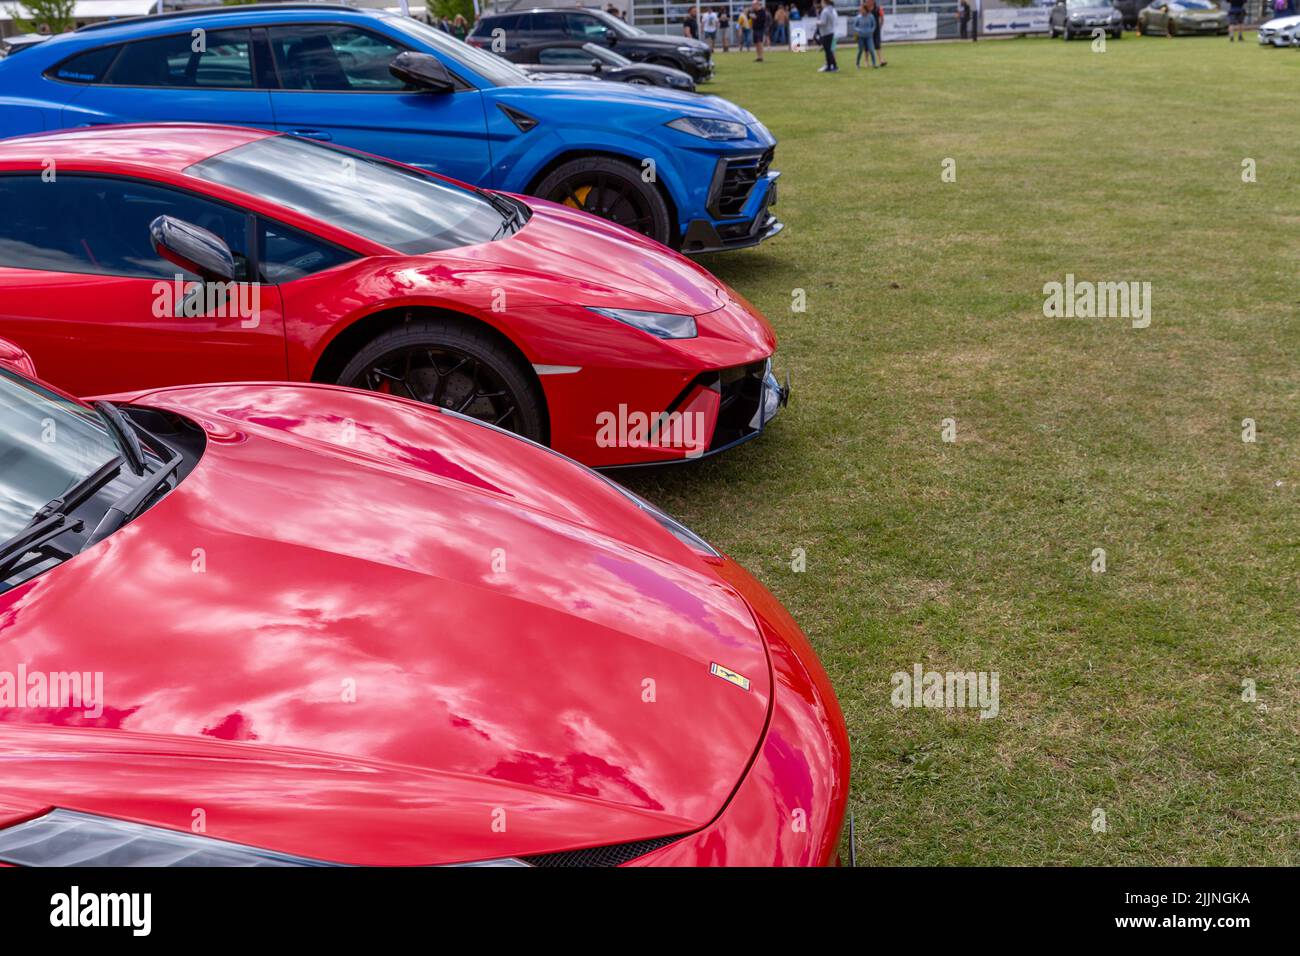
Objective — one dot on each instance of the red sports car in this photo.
(273, 624)
(137, 256)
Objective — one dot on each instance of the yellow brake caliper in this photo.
(582, 192)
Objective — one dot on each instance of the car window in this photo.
(334, 57)
(89, 66)
(580, 26)
(34, 469)
(391, 205)
(100, 225)
(563, 55)
(288, 254)
(211, 58)
(494, 69)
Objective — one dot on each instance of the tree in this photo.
(449, 8)
(44, 16)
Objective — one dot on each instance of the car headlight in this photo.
(71, 838)
(670, 524)
(664, 325)
(1076, 18)
(709, 128)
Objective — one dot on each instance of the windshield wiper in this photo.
(126, 507)
(126, 437)
(512, 213)
(35, 536)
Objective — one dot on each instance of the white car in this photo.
(1280, 31)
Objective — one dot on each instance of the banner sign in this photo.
(1029, 20)
(910, 26)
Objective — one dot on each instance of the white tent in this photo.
(92, 9)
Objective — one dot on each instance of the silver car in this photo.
(1072, 18)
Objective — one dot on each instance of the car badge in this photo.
(730, 676)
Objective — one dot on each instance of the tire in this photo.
(586, 184)
(1117, 35)
(1067, 33)
(430, 350)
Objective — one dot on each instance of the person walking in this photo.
(780, 30)
(1236, 20)
(963, 17)
(827, 21)
(758, 19)
(864, 28)
(709, 24)
(879, 11)
(724, 29)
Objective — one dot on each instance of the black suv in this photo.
(531, 27)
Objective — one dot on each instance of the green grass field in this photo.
(1119, 690)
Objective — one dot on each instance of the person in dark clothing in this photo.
(691, 25)
(1236, 20)
(963, 16)
(759, 20)
(879, 11)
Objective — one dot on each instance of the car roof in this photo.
(515, 13)
(211, 17)
(150, 146)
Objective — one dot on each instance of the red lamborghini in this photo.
(273, 624)
(139, 256)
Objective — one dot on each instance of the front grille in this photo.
(615, 855)
(742, 394)
(738, 178)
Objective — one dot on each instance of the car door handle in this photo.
(311, 134)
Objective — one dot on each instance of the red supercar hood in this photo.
(618, 268)
(410, 641)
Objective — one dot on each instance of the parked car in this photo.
(520, 28)
(1280, 31)
(592, 59)
(1182, 17)
(1072, 18)
(359, 630)
(313, 263)
(690, 171)
(19, 42)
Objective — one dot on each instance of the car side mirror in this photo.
(193, 249)
(595, 64)
(423, 71)
(16, 359)
(611, 37)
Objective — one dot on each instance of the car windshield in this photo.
(48, 444)
(1085, 4)
(1193, 5)
(605, 54)
(396, 207)
(617, 25)
(496, 70)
